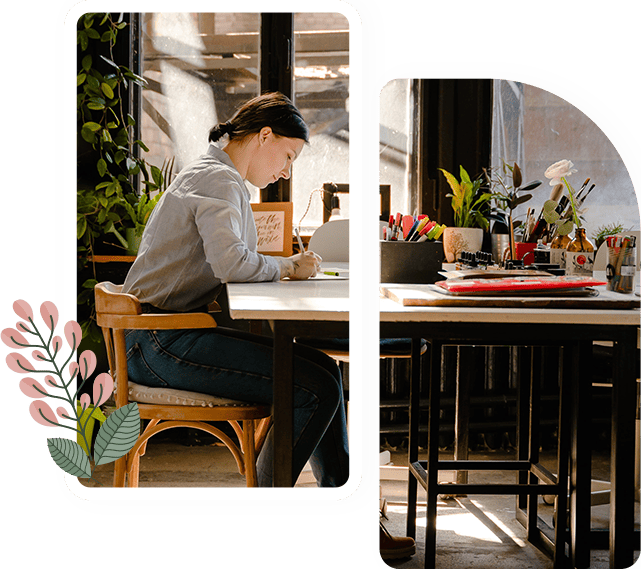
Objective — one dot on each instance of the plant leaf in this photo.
(530, 186)
(519, 200)
(118, 434)
(517, 178)
(107, 90)
(565, 227)
(69, 456)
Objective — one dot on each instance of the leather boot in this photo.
(395, 547)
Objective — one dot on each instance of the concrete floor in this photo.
(176, 460)
(480, 531)
(475, 531)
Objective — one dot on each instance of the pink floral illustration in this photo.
(61, 379)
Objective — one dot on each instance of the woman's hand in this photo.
(300, 266)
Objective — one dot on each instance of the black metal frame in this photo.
(574, 423)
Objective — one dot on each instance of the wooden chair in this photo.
(170, 408)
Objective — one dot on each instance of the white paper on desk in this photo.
(342, 274)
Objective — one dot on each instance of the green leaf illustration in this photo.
(118, 434)
(69, 456)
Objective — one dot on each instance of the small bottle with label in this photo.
(579, 259)
(558, 249)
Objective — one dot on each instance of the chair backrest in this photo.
(117, 311)
(331, 241)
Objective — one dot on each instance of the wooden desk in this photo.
(577, 329)
(314, 308)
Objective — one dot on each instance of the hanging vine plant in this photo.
(109, 163)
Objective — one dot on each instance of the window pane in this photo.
(321, 92)
(200, 68)
(536, 129)
(395, 136)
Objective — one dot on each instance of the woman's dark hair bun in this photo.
(269, 109)
(221, 129)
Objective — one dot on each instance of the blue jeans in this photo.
(238, 365)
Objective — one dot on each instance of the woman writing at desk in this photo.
(200, 236)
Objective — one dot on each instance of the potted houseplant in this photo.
(508, 192)
(470, 204)
(138, 206)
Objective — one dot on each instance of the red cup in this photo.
(525, 252)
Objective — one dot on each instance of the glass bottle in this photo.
(579, 259)
(558, 248)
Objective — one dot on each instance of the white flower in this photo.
(559, 170)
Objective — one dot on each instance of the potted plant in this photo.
(138, 207)
(471, 207)
(507, 191)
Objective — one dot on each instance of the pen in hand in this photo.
(300, 241)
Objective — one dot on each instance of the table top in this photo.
(393, 311)
(325, 297)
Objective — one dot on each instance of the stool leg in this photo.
(414, 414)
(562, 460)
(432, 455)
(533, 444)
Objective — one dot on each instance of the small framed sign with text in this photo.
(274, 227)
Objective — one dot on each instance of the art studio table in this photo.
(317, 308)
(416, 311)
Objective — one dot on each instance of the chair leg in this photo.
(249, 453)
(261, 429)
(133, 475)
(120, 467)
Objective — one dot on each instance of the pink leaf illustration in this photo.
(30, 388)
(87, 363)
(22, 309)
(18, 363)
(43, 414)
(63, 413)
(73, 334)
(49, 380)
(56, 344)
(105, 382)
(85, 400)
(23, 327)
(73, 369)
(13, 338)
(38, 355)
(49, 314)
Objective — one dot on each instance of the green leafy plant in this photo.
(604, 231)
(508, 192)
(563, 222)
(469, 201)
(109, 200)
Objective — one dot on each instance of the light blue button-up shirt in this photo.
(200, 235)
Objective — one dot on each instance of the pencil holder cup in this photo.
(411, 262)
(622, 261)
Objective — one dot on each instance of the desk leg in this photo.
(563, 461)
(283, 407)
(414, 415)
(624, 397)
(577, 368)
